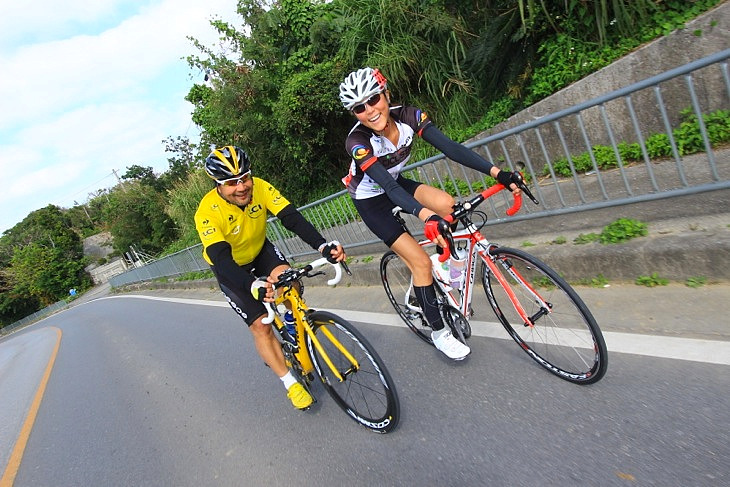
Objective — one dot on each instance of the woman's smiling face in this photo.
(375, 116)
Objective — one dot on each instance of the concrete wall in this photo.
(706, 35)
(103, 273)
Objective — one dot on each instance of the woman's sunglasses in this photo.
(372, 101)
(236, 181)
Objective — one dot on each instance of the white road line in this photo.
(696, 350)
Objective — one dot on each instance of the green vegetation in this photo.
(622, 230)
(195, 276)
(687, 138)
(559, 241)
(367, 259)
(527, 243)
(617, 231)
(651, 281)
(598, 281)
(585, 238)
(272, 89)
(695, 282)
(544, 282)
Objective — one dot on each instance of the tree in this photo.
(144, 175)
(137, 217)
(184, 159)
(41, 259)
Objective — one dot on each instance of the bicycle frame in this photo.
(300, 310)
(478, 245)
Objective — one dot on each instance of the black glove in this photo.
(326, 251)
(258, 289)
(505, 178)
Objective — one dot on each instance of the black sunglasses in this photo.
(372, 101)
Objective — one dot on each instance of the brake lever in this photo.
(529, 194)
(346, 267)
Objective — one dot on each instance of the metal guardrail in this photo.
(38, 315)
(702, 86)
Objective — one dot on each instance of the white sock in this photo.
(288, 380)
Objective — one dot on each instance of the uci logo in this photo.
(209, 231)
(255, 211)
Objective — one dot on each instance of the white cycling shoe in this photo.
(451, 347)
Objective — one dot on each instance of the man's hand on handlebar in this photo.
(263, 290)
(333, 252)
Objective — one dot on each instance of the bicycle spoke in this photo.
(396, 278)
(366, 393)
(564, 337)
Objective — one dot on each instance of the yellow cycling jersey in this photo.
(245, 229)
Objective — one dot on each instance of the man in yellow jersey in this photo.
(231, 223)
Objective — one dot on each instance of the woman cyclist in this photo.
(380, 144)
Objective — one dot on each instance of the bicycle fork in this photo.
(354, 365)
(544, 307)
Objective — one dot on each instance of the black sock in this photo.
(426, 296)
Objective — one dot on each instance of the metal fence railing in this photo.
(38, 315)
(604, 127)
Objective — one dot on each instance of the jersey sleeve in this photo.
(414, 117)
(274, 201)
(208, 227)
(358, 146)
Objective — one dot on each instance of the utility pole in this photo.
(87, 213)
(119, 180)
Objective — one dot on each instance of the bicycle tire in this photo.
(367, 394)
(396, 278)
(566, 341)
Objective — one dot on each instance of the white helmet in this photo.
(361, 85)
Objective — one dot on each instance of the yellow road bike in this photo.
(329, 346)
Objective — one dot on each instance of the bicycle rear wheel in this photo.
(565, 338)
(396, 278)
(367, 393)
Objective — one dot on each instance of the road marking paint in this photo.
(17, 454)
(696, 350)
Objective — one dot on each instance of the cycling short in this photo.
(240, 299)
(377, 213)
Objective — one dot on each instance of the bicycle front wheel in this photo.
(396, 278)
(366, 392)
(565, 338)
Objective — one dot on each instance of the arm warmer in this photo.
(221, 255)
(454, 150)
(395, 191)
(295, 222)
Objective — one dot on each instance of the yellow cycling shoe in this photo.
(299, 396)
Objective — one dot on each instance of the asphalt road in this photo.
(152, 392)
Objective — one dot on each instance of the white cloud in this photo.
(80, 103)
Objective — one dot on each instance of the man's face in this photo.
(237, 191)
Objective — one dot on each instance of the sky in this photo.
(93, 86)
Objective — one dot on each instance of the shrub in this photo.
(651, 281)
(622, 230)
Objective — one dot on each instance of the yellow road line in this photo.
(17, 455)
